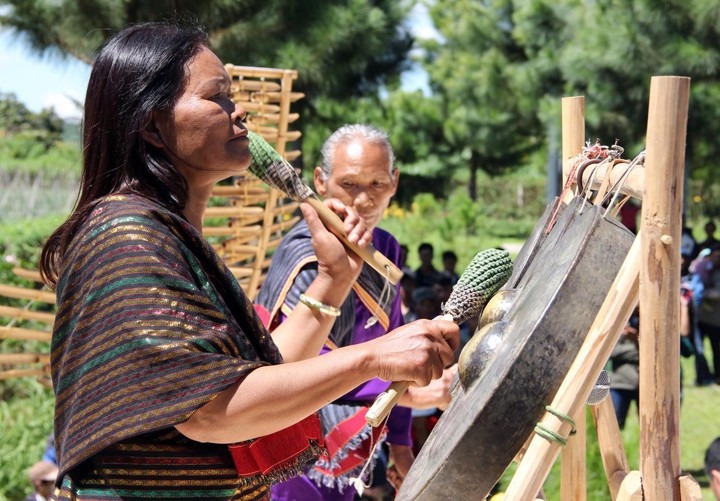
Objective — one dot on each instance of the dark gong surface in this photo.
(518, 359)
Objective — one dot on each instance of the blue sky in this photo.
(44, 81)
(41, 81)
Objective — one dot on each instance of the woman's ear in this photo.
(151, 133)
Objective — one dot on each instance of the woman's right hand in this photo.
(416, 352)
(335, 261)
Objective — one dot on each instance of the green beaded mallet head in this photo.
(483, 277)
(273, 169)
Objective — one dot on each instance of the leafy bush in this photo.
(21, 242)
(27, 420)
(25, 153)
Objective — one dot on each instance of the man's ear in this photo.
(396, 179)
(151, 133)
(320, 181)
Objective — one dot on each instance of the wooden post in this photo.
(660, 287)
(572, 466)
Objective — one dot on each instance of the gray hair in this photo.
(347, 133)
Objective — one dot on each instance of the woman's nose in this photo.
(239, 114)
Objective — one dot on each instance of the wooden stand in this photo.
(648, 274)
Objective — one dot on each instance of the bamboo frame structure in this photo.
(27, 315)
(644, 276)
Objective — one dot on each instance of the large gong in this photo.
(526, 340)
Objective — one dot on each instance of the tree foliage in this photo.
(24, 132)
(342, 49)
(504, 65)
(480, 72)
(497, 73)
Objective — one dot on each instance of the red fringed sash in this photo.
(278, 452)
(337, 440)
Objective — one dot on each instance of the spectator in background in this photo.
(629, 213)
(625, 378)
(449, 259)
(443, 288)
(402, 264)
(426, 275)
(49, 454)
(708, 311)
(426, 302)
(407, 305)
(688, 245)
(692, 290)
(710, 240)
(42, 476)
(712, 467)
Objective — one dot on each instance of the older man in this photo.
(357, 168)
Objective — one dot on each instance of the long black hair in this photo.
(138, 71)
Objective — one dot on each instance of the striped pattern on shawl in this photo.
(151, 325)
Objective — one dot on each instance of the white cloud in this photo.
(63, 105)
(421, 24)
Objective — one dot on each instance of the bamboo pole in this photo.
(611, 445)
(580, 379)
(660, 285)
(572, 465)
(633, 185)
(573, 133)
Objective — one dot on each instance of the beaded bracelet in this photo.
(321, 307)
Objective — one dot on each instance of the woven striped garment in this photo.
(150, 326)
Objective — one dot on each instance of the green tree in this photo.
(608, 50)
(24, 133)
(482, 76)
(342, 49)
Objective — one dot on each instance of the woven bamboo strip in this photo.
(23, 314)
(24, 334)
(236, 211)
(254, 85)
(261, 118)
(228, 231)
(292, 155)
(252, 107)
(238, 191)
(23, 293)
(33, 275)
(24, 358)
(240, 271)
(258, 72)
(14, 373)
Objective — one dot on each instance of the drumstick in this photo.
(273, 169)
(486, 273)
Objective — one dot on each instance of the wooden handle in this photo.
(385, 402)
(369, 254)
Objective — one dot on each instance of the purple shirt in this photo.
(400, 418)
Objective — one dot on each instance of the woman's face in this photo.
(203, 134)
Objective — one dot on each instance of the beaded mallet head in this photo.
(483, 277)
(273, 169)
